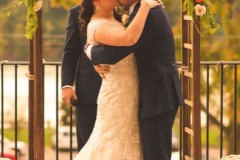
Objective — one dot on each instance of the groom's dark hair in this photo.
(117, 16)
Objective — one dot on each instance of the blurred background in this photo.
(222, 46)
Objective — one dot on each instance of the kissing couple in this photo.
(140, 95)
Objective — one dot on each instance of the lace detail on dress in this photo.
(92, 26)
(91, 29)
(116, 132)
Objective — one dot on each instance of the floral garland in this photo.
(202, 9)
(194, 8)
(33, 6)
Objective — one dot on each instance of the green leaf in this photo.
(8, 12)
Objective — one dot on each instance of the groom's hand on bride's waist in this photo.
(102, 69)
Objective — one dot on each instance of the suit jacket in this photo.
(75, 64)
(160, 89)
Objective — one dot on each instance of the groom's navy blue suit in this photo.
(160, 90)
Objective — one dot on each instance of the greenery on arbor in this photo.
(32, 7)
(193, 8)
(202, 9)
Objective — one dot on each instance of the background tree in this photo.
(224, 46)
(65, 4)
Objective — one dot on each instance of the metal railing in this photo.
(213, 82)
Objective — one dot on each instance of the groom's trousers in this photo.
(156, 134)
(85, 120)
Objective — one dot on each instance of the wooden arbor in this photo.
(191, 129)
(191, 123)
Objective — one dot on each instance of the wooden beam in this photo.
(188, 74)
(31, 107)
(186, 140)
(189, 103)
(187, 18)
(36, 107)
(38, 92)
(186, 157)
(189, 131)
(196, 94)
(188, 45)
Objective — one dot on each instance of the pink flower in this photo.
(200, 10)
(38, 5)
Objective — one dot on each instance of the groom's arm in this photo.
(72, 49)
(102, 54)
(71, 52)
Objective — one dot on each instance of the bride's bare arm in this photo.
(118, 36)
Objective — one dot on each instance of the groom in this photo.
(160, 91)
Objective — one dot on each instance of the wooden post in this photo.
(36, 107)
(185, 87)
(191, 130)
(31, 107)
(196, 122)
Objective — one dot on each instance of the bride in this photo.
(116, 132)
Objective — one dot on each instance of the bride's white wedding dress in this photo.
(116, 132)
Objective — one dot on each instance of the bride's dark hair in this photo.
(85, 15)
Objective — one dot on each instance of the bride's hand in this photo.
(151, 3)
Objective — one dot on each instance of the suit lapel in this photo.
(133, 14)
